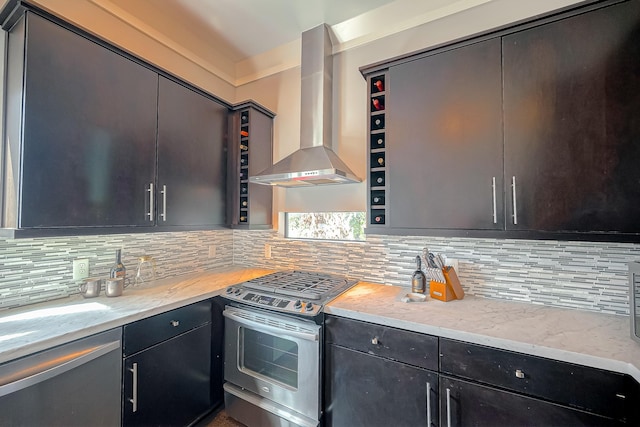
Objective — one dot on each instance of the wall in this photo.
(588, 276)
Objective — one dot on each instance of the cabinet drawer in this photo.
(396, 344)
(594, 390)
(153, 330)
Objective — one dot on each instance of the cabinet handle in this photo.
(495, 210)
(448, 407)
(175, 323)
(515, 204)
(150, 213)
(164, 203)
(428, 404)
(519, 373)
(134, 398)
(375, 341)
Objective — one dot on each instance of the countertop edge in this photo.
(500, 343)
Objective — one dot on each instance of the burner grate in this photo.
(302, 284)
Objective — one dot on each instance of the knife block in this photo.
(450, 289)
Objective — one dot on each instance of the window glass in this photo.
(326, 225)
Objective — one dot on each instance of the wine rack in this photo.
(377, 145)
(250, 152)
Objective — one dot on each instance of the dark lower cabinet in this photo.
(169, 380)
(172, 381)
(366, 390)
(463, 403)
(375, 375)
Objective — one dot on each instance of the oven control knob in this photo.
(297, 305)
(238, 291)
(309, 306)
(230, 290)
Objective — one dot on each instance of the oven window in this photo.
(269, 356)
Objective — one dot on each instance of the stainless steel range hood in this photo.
(314, 163)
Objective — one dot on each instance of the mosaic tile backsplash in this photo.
(580, 275)
(36, 270)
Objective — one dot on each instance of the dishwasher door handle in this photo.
(53, 367)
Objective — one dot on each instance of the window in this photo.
(326, 225)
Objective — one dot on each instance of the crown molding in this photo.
(160, 38)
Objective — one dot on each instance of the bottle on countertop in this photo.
(118, 269)
(418, 280)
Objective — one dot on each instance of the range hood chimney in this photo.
(314, 163)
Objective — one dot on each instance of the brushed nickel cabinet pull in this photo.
(428, 404)
(150, 213)
(515, 204)
(164, 203)
(495, 210)
(448, 407)
(134, 397)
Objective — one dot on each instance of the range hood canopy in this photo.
(315, 163)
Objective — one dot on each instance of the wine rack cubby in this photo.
(377, 143)
(249, 153)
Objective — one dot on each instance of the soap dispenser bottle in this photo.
(418, 280)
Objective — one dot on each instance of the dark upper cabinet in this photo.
(191, 157)
(98, 141)
(530, 131)
(249, 152)
(81, 124)
(444, 140)
(572, 127)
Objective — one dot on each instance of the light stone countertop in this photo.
(37, 327)
(575, 336)
(585, 338)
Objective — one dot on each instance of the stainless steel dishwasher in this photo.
(75, 384)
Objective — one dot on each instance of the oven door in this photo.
(276, 357)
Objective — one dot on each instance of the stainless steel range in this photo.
(294, 292)
(273, 347)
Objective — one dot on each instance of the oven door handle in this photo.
(307, 336)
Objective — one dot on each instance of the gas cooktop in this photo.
(298, 292)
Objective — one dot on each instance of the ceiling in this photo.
(233, 33)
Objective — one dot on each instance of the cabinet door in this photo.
(191, 161)
(444, 140)
(365, 390)
(466, 404)
(571, 102)
(173, 384)
(89, 132)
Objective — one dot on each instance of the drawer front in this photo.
(396, 344)
(594, 390)
(153, 330)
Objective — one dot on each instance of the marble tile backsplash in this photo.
(581, 275)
